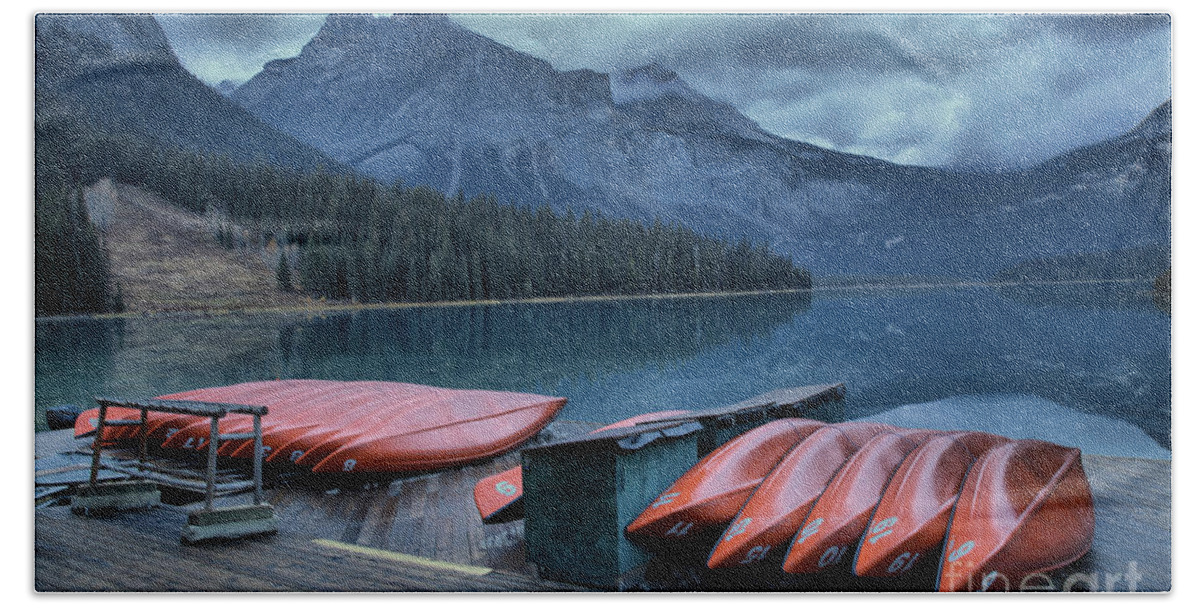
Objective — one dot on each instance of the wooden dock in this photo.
(420, 533)
(423, 533)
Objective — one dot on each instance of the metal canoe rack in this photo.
(205, 523)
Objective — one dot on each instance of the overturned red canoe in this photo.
(775, 510)
(710, 494)
(87, 421)
(289, 439)
(287, 395)
(1025, 508)
(378, 427)
(314, 401)
(840, 515)
(463, 426)
(912, 516)
(499, 497)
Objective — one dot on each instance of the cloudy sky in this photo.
(962, 90)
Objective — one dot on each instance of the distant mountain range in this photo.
(424, 100)
(118, 72)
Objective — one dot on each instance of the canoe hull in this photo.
(841, 514)
(1026, 508)
(774, 512)
(710, 494)
(911, 519)
(373, 427)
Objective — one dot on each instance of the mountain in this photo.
(226, 87)
(419, 98)
(118, 72)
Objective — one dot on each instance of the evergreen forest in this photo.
(346, 237)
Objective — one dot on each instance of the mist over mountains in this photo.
(420, 99)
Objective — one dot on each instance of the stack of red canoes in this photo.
(872, 500)
(359, 427)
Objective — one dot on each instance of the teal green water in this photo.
(1102, 350)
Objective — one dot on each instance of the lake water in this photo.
(1087, 365)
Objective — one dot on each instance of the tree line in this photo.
(72, 273)
(343, 236)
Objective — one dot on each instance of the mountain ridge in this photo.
(420, 99)
(118, 71)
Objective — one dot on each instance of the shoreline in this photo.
(318, 307)
(338, 307)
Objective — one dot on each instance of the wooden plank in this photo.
(112, 555)
(795, 398)
(430, 522)
(195, 408)
(405, 558)
(618, 438)
(1132, 499)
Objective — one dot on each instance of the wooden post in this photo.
(258, 459)
(210, 491)
(97, 443)
(142, 438)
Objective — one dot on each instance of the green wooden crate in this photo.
(580, 495)
(824, 402)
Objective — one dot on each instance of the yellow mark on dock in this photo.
(403, 557)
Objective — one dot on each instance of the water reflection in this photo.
(1088, 349)
(526, 346)
(1094, 352)
(69, 356)
(519, 347)
(1093, 295)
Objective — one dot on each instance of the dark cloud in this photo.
(815, 42)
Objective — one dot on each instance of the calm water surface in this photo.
(1102, 350)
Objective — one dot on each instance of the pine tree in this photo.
(283, 272)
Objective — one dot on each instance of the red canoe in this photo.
(288, 439)
(912, 516)
(379, 427)
(498, 497)
(162, 426)
(776, 509)
(710, 493)
(316, 446)
(322, 408)
(86, 422)
(286, 400)
(1025, 508)
(467, 425)
(840, 515)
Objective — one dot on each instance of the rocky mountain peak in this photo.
(649, 81)
(414, 36)
(1157, 124)
(69, 45)
(226, 87)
